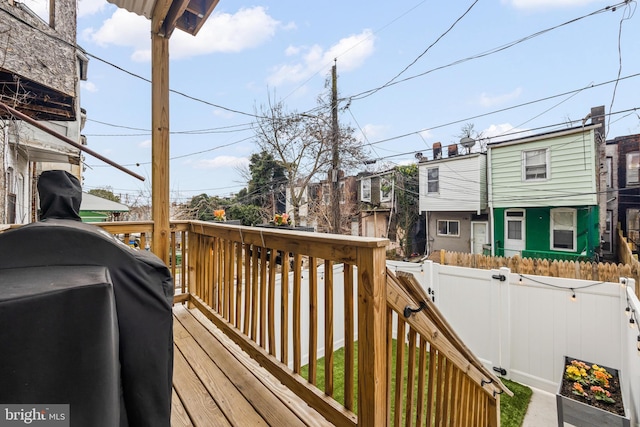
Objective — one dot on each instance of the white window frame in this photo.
(448, 233)
(385, 196)
(573, 228)
(633, 166)
(435, 181)
(547, 169)
(365, 190)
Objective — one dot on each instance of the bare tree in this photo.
(303, 144)
(468, 131)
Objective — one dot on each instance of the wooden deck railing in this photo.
(435, 380)
(284, 296)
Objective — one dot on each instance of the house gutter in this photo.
(63, 138)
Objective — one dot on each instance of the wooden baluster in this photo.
(349, 340)
(313, 319)
(400, 336)
(411, 366)
(284, 310)
(328, 328)
(271, 303)
(297, 284)
(263, 297)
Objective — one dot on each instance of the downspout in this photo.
(426, 232)
(490, 202)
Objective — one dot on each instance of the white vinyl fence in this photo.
(524, 325)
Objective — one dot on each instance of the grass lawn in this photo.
(512, 409)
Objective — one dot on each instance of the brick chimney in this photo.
(437, 151)
(453, 150)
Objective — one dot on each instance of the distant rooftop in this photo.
(98, 204)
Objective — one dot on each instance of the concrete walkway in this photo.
(542, 411)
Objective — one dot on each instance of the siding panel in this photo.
(572, 173)
(462, 184)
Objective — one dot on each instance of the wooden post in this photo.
(160, 145)
(372, 357)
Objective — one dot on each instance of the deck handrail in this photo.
(453, 370)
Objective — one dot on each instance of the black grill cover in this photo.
(48, 356)
(144, 296)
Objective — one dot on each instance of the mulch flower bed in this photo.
(594, 385)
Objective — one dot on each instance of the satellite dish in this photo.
(467, 143)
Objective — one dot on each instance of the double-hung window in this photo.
(448, 228)
(432, 180)
(563, 229)
(385, 189)
(535, 164)
(365, 190)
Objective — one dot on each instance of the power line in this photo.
(624, 18)
(501, 110)
(425, 51)
(370, 92)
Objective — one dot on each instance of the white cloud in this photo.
(373, 132)
(89, 7)
(124, 29)
(145, 144)
(547, 4)
(351, 52)
(222, 162)
(88, 86)
(426, 134)
(223, 32)
(292, 50)
(503, 132)
(488, 100)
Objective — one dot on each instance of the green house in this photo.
(543, 195)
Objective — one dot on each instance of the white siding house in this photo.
(453, 194)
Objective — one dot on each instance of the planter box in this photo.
(584, 415)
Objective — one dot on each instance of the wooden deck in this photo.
(216, 384)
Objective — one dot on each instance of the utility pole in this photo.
(335, 160)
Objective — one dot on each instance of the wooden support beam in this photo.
(160, 145)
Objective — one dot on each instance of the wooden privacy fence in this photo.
(599, 271)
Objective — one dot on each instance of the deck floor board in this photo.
(216, 384)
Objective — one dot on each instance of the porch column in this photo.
(160, 145)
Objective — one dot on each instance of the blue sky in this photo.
(249, 50)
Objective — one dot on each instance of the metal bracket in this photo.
(483, 382)
(408, 311)
(500, 370)
(500, 277)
